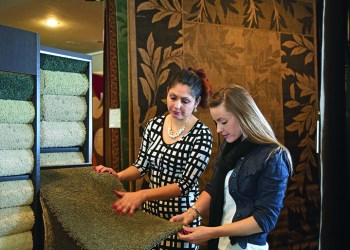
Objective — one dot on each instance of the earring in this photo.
(195, 110)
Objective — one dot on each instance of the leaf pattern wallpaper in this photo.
(268, 47)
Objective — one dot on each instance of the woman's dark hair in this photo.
(197, 81)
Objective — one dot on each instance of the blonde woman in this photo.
(246, 193)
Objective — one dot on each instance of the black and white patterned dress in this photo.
(181, 162)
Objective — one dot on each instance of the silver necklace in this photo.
(177, 134)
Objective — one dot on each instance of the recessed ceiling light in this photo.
(52, 22)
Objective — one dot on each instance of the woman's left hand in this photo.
(196, 235)
(128, 202)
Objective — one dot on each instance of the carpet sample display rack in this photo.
(19, 138)
(66, 113)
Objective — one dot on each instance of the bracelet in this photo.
(196, 210)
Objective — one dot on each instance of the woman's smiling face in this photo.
(226, 123)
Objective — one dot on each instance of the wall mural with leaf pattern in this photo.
(268, 47)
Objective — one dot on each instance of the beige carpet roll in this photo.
(16, 111)
(62, 134)
(58, 159)
(14, 220)
(63, 108)
(16, 162)
(16, 136)
(63, 83)
(16, 193)
(21, 241)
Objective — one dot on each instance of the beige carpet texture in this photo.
(16, 193)
(78, 214)
(14, 220)
(21, 241)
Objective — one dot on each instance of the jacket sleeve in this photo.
(272, 186)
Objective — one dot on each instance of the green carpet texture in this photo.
(78, 214)
(16, 162)
(16, 111)
(21, 241)
(56, 108)
(60, 159)
(16, 136)
(16, 193)
(62, 134)
(15, 86)
(63, 83)
(14, 220)
(56, 63)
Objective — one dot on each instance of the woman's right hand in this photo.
(102, 169)
(186, 217)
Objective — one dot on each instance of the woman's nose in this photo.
(218, 128)
(178, 104)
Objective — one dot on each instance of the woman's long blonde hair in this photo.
(254, 126)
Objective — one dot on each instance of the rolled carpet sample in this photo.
(16, 162)
(16, 111)
(21, 241)
(77, 209)
(16, 136)
(61, 158)
(16, 193)
(15, 86)
(63, 108)
(63, 83)
(14, 220)
(57, 63)
(62, 134)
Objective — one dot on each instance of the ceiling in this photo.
(80, 26)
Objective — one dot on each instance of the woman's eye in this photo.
(223, 123)
(186, 101)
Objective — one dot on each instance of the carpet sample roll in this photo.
(96, 225)
(57, 63)
(16, 162)
(62, 134)
(16, 136)
(16, 193)
(60, 159)
(21, 241)
(16, 111)
(14, 220)
(56, 108)
(15, 86)
(63, 83)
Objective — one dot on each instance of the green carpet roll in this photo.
(63, 83)
(16, 136)
(16, 162)
(14, 220)
(15, 86)
(96, 225)
(16, 111)
(21, 241)
(56, 63)
(62, 134)
(16, 193)
(59, 159)
(63, 108)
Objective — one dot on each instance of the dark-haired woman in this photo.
(245, 195)
(175, 150)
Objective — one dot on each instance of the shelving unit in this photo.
(60, 64)
(19, 53)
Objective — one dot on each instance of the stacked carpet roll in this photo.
(96, 225)
(64, 86)
(17, 114)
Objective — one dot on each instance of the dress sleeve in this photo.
(197, 161)
(272, 186)
(142, 163)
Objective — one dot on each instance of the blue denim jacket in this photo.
(257, 185)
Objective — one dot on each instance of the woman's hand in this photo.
(101, 169)
(196, 235)
(186, 217)
(128, 202)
